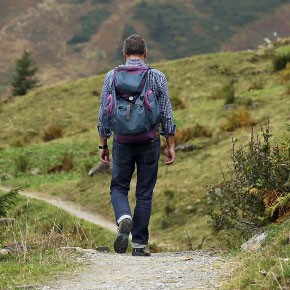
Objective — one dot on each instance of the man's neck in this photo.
(140, 57)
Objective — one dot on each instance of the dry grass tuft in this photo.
(66, 165)
(237, 119)
(52, 132)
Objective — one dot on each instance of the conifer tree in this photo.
(24, 75)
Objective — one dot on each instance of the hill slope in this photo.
(179, 217)
(76, 38)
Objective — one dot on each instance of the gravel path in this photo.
(179, 270)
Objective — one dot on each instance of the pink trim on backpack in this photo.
(110, 107)
(146, 100)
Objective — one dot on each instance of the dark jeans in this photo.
(125, 156)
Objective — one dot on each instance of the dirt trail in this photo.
(71, 208)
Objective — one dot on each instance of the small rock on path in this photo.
(179, 270)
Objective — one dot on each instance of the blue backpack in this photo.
(131, 111)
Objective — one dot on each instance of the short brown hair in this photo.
(134, 45)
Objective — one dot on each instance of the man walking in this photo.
(142, 151)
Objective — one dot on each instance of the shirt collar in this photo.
(135, 61)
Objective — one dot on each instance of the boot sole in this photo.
(121, 244)
(122, 240)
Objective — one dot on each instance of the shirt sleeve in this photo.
(167, 121)
(106, 91)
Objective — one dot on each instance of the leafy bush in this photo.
(258, 189)
(280, 61)
(226, 92)
(52, 132)
(237, 119)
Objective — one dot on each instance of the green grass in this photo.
(74, 107)
(42, 229)
(39, 269)
(268, 268)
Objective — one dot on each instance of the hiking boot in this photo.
(141, 252)
(122, 240)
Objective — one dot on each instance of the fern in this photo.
(7, 200)
(281, 202)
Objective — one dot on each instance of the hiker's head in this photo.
(134, 45)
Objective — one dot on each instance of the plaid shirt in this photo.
(158, 84)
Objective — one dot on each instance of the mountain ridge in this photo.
(172, 30)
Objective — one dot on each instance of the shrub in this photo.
(226, 92)
(257, 191)
(280, 61)
(237, 119)
(52, 132)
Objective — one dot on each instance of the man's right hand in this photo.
(169, 156)
(170, 151)
(105, 156)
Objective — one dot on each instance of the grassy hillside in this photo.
(76, 38)
(199, 90)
